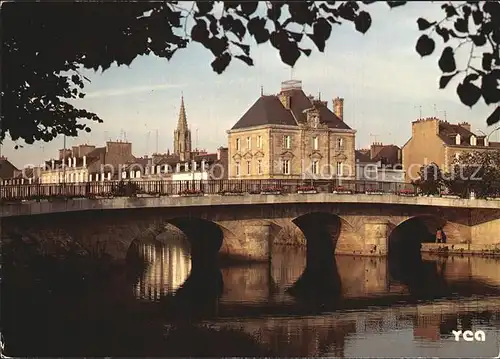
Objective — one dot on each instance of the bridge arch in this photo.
(325, 229)
(406, 237)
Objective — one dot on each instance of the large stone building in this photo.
(291, 136)
(440, 142)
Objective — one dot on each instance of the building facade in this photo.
(115, 161)
(440, 142)
(381, 163)
(292, 136)
(87, 163)
(201, 166)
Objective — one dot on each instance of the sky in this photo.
(384, 82)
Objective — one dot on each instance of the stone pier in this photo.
(376, 234)
(258, 241)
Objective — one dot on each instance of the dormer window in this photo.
(458, 140)
(473, 140)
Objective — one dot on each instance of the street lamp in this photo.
(488, 135)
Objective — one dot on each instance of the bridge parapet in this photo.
(84, 204)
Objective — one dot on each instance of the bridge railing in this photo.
(165, 187)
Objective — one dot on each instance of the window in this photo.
(237, 168)
(315, 167)
(259, 142)
(249, 143)
(314, 121)
(286, 167)
(238, 144)
(286, 141)
(473, 141)
(339, 169)
(340, 143)
(259, 166)
(249, 167)
(315, 143)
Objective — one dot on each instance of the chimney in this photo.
(338, 107)
(52, 164)
(74, 162)
(375, 149)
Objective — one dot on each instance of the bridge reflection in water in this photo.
(359, 278)
(411, 307)
(382, 308)
(168, 267)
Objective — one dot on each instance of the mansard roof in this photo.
(268, 110)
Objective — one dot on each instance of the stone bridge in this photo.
(244, 226)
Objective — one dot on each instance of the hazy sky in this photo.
(381, 77)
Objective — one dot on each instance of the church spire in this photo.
(182, 122)
(182, 135)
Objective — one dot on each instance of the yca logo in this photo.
(469, 336)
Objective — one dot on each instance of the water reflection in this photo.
(287, 279)
(168, 267)
(381, 308)
(401, 331)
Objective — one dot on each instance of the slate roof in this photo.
(7, 169)
(388, 154)
(209, 157)
(268, 110)
(449, 131)
(363, 156)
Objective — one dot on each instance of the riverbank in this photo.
(482, 250)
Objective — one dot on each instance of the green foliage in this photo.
(45, 45)
(475, 24)
(431, 179)
(475, 171)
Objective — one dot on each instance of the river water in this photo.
(366, 307)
